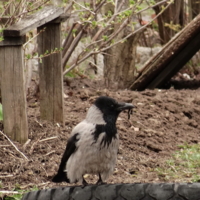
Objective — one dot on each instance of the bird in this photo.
(93, 144)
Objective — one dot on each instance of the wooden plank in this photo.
(3, 20)
(177, 63)
(13, 93)
(61, 18)
(47, 14)
(13, 41)
(169, 52)
(50, 72)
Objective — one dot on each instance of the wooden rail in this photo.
(174, 55)
(50, 71)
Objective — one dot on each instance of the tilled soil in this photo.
(162, 120)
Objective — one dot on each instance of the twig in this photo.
(138, 30)
(33, 184)
(5, 176)
(38, 123)
(92, 63)
(28, 11)
(66, 42)
(112, 36)
(54, 51)
(119, 7)
(92, 44)
(50, 138)
(67, 8)
(27, 142)
(34, 143)
(8, 192)
(157, 4)
(84, 7)
(11, 153)
(79, 61)
(34, 37)
(13, 145)
(72, 47)
(47, 154)
(99, 5)
(5, 145)
(80, 31)
(16, 15)
(32, 147)
(101, 30)
(44, 170)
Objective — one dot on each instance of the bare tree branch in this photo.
(152, 6)
(138, 30)
(84, 54)
(84, 7)
(81, 30)
(72, 47)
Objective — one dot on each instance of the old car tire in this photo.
(135, 191)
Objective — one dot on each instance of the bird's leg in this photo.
(84, 182)
(100, 182)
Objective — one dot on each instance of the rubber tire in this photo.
(135, 191)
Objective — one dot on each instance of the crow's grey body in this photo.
(93, 145)
(91, 157)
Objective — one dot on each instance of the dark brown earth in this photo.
(163, 120)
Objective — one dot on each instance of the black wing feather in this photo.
(70, 149)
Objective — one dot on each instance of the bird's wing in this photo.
(79, 132)
(70, 149)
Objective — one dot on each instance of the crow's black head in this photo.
(107, 110)
(109, 106)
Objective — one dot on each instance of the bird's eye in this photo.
(111, 105)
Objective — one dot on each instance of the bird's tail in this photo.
(61, 177)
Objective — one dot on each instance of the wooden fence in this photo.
(50, 71)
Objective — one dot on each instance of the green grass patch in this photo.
(71, 74)
(14, 197)
(19, 193)
(184, 165)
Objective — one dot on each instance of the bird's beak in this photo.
(125, 106)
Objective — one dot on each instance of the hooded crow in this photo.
(93, 145)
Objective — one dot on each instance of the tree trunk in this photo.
(171, 20)
(119, 64)
(119, 61)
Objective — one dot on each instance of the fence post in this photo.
(13, 91)
(50, 72)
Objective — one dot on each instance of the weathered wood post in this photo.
(13, 88)
(12, 72)
(51, 72)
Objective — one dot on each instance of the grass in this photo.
(184, 165)
(15, 197)
(18, 195)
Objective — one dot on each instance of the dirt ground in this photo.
(162, 120)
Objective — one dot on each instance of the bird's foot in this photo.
(84, 182)
(100, 183)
